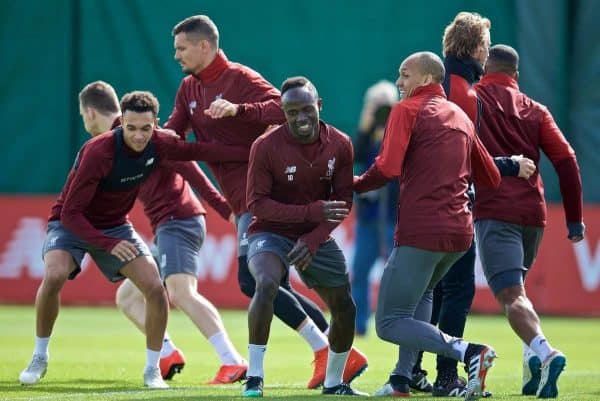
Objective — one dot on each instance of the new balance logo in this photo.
(149, 161)
(192, 107)
(290, 170)
(260, 243)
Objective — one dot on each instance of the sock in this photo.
(335, 368)
(461, 346)
(256, 355)
(527, 352)
(225, 349)
(541, 347)
(152, 358)
(41, 346)
(167, 347)
(313, 336)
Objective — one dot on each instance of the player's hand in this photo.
(300, 255)
(576, 232)
(335, 211)
(221, 108)
(170, 132)
(125, 251)
(526, 166)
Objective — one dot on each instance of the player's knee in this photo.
(55, 275)
(180, 296)
(155, 294)
(266, 289)
(383, 329)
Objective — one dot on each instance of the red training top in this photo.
(512, 123)
(430, 144)
(287, 187)
(259, 107)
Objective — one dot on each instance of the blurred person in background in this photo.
(229, 103)
(510, 219)
(178, 222)
(375, 210)
(90, 216)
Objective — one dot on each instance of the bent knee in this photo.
(267, 288)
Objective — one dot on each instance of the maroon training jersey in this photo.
(512, 123)
(84, 208)
(286, 190)
(259, 107)
(167, 194)
(431, 146)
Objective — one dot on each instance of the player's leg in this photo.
(62, 258)
(408, 274)
(328, 275)
(288, 306)
(458, 290)
(266, 256)
(507, 251)
(402, 376)
(131, 302)
(143, 273)
(179, 242)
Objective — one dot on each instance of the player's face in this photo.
(410, 78)
(137, 129)
(193, 56)
(301, 108)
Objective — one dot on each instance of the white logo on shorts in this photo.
(260, 243)
(163, 260)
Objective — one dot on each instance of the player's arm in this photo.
(193, 174)
(341, 184)
(260, 102)
(90, 167)
(562, 156)
(389, 161)
(172, 148)
(483, 169)
(179, 120)
(258, 193)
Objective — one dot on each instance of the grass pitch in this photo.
(96, 354)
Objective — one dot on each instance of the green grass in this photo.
(96, 354)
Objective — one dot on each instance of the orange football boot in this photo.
(228, 374)
(171, 364)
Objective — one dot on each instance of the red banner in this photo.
(564, 280)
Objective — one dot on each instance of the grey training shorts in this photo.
(58, 237)
(328, 267)
(178, 243)
(507, 251)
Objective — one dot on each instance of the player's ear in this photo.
(320, 104)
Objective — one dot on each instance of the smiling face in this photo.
(301, 106)
(137, 129)
(410, 77)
